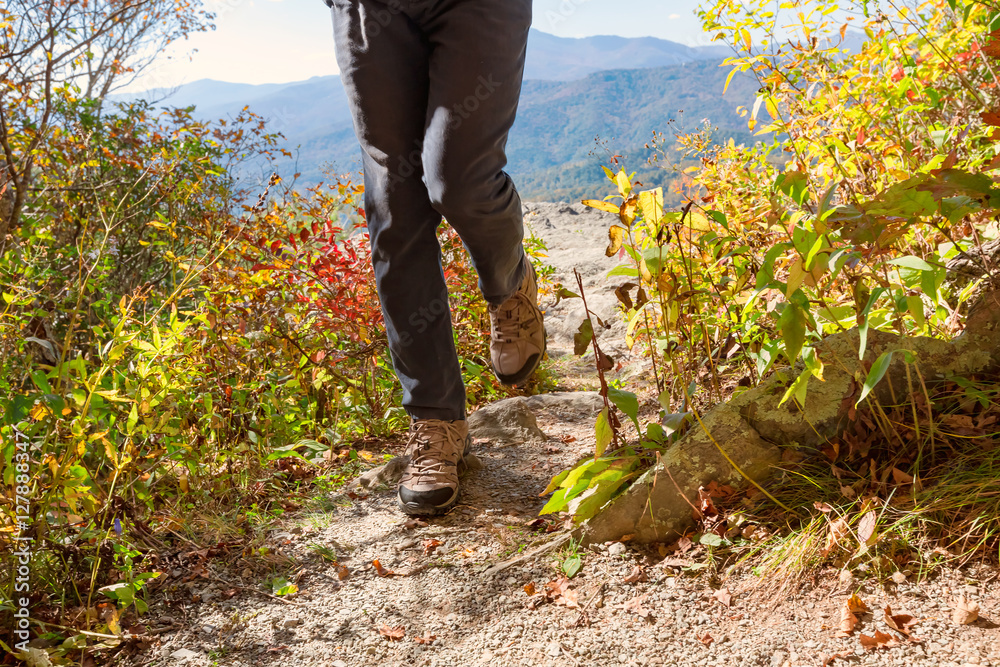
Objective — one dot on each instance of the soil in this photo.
(456, 591)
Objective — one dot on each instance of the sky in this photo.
(277, 41)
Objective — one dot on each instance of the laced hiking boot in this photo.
(437, 450)
(517, 340)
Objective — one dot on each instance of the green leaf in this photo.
(603, 432)
(555, 483)
(795, 184)
(556, 503)
(282, 586)
(627, 402)
(911, 262)
(792, 323)
(711, 540)
(876, 374)
(571, 566)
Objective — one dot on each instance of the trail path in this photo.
(627, 606)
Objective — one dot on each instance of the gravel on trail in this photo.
(437, 601)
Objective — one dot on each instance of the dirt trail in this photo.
(625, 607)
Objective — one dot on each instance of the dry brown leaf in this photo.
(426, 639)
(529, 588)
(410, 524)
(901, 477)
(822, 507)
(706, 638)
(637, 574)
(662, 549)
(559, 592)
(856, 605)
(723, 596)
(392, 634)
(381, 571)
(430, 545)
(848, 492)
(635, 606)
(880, 640)
(838, 530)
(866, 527)
(343, 572)
(848, 621)
(828, 660)
(966, 612)
(899, 622)
(684, 544)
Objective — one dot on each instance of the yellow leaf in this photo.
(618, 236)
(624, 184)
(182, 481)
(601, 205)
(627, 212)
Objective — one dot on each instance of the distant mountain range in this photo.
(582, 101)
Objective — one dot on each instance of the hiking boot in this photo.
(437, 449)
(517, 340)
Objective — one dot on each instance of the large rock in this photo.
(738, 441)
(509, 421)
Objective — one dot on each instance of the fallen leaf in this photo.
(838, 530)
(723, 596)
(626, 538)
(683, 544)
(430, 545)
(830, 658)
(382, 571)
(822, 507)
(662, 549)
(392, 634)
(848, 621)
(848, 492)
(529, 588)
(426, 639)
(880, 640)
(899, 622)
(856, 605)
(410, 524)
(635, 606)
(866, 527)
(559, 592)
(966, 612)
(343, 572)
(901, 477)
(705, 639)
(637, 574)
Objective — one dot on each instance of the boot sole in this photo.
(529, 369)
(418, 509)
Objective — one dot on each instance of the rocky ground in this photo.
(483, 585)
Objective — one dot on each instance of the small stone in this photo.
(292, 622)
(899, 577)
(338, 663)
(554, 650)
(778, 659)
(183, 654)
(246, 573)
(616, 549)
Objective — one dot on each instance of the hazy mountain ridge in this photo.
(553, 147)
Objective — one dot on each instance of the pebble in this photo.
(616, 549)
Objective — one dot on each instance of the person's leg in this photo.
(477, 50)
(383, 58)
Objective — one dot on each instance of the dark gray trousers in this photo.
(434, 87)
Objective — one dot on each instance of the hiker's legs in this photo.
(476, 61)
(384, 62)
